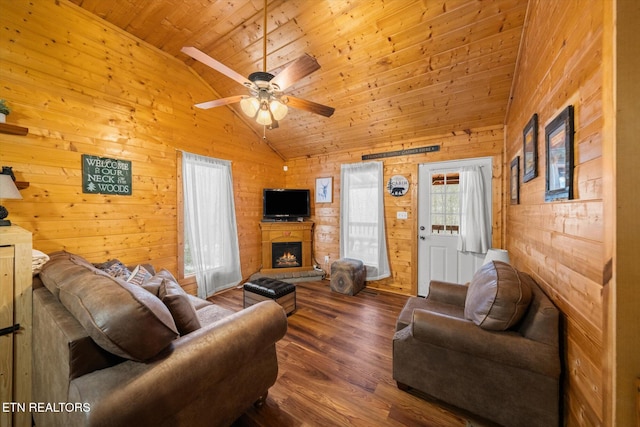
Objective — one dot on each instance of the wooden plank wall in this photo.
(401, 234)
(561, 243)
(82, 86)
(620, 158)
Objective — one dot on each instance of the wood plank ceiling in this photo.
(395, 70)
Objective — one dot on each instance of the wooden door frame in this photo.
(446, 164)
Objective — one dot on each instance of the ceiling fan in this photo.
(266, 102)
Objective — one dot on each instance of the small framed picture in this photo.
(514, 181)
(324, 190)
(559, 157)
(530, 150)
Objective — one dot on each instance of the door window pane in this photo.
(445, 203)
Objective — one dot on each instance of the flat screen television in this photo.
(285, 204)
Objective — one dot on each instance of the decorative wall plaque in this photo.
(102, 175)
(407, 152)
(398, 185)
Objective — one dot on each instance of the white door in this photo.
(439, 222)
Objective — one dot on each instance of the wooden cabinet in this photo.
(15, 309)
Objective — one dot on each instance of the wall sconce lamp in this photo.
(8, 190)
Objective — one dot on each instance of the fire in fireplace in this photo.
(286, 255)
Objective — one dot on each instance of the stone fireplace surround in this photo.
(281, 232)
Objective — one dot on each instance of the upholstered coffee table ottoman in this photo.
(347, 276)
(265, 288)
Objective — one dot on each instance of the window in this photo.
(210, 232)
(189, 267)
(445, 203)
(362, 231)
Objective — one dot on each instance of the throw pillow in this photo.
(115, 268)
(177, 300)
(153, 283)
(120, 317)
(139, 275)
(497, 297)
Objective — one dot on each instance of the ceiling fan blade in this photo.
(300, 68)
(220, 102)
(198, 55)
(311, 106)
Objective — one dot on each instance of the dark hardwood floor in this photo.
(335, 365)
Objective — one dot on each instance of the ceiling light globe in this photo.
(250, 106)
(278, 109)
(264, 117)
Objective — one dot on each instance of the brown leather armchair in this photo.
(466, 345)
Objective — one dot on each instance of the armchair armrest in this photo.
(155, 391)
(448, 293)
(506, 348)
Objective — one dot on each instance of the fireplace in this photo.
(286, 254)
(286, 247)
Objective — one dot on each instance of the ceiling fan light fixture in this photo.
(278, 109)
(266, 103)
(264, 115)
(250, 106)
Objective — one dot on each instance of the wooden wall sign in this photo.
(406, 152)
(398, 185)
(102, 175)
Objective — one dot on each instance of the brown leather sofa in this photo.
(107, 352)
(490, 347)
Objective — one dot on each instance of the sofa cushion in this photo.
(179, 304)
(62, 268)
(67, 339)
(153, 283)
(120, 317)
(497, 297)
(212, 313)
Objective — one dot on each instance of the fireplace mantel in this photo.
(279, 232)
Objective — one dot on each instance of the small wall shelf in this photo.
(13, 129)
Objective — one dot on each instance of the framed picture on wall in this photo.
(324, 190)
(559, 157)
(515, 181)
(530, 150)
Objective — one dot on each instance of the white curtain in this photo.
(475, 229)
(210, 222)
(362, 231)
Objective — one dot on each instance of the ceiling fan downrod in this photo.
(264, 39)
(264, 105)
